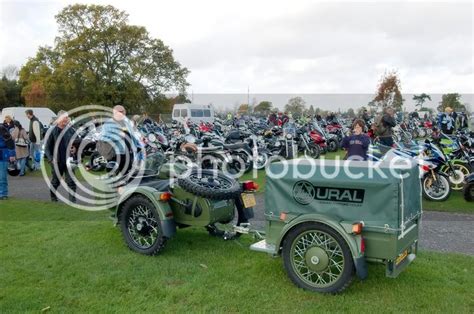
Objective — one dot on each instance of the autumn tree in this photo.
(243, 109)
(389, 92)
(99, 58)
(35, 95)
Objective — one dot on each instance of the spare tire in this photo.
(210, 184)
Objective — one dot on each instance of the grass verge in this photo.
(67, 260)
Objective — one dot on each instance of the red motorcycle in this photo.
(318, 138)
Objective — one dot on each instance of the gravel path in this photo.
(443, 232)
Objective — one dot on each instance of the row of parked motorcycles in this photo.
(446, 163)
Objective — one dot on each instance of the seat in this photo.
(158, 184)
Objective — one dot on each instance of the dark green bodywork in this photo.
(388, 205)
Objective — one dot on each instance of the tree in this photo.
(310, 112)
(389, 92)
(243, 109)
(10, 72)
(420, 99)
(351, 113)
(10, 93)
(451, 100)
(98, 58)
(264, 107)
(35, 95)
(296, 106)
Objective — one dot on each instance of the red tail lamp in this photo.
(357, 228)
(165, 197)
(250, 186)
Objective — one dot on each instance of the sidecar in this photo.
(149, 213)
(328, 219)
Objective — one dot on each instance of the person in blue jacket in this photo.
(356, 144)
(7, 154)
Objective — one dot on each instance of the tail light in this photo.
(425, 168)
(165, 197)
(249, 186)
(357, 228)
(362, 245)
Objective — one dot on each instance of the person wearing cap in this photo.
(448, 121)
(7, 155)
(61, 143)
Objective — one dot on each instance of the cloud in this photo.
(274, 47)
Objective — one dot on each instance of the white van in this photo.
(193, 112)
(45, 115)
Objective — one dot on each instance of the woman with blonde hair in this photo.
(8, 123)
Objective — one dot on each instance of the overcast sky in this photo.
(289, 47)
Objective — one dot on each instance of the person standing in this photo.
(384, 127)
(118, 134)
(356, 144)
(448, 121)
(8, 123)
(21, 145)
(58, 147)
(35, 135)
(7, 155)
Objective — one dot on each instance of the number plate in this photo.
(248, 199)
(401, 257)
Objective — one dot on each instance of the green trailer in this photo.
(327, 220)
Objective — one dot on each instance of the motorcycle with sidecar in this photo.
(325, 229)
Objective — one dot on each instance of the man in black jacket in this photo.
(384, 127)
(58, 148)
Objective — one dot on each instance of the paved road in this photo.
(444, 232)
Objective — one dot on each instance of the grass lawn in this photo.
(68, 260)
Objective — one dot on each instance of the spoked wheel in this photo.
(456, 177)
(332, 146)
(141, 227)
(313, 151)
(210, 184)
(317, 258)
(436, 188)
(261, 161)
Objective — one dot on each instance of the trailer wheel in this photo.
(317, 258)
(141, 227)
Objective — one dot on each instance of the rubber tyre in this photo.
(333, 146)
(259, 165)
(468, 192)
(458, 166)
(348, 269)
(195, 188)
(313, 151)
(430, 198)
(123, 219)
